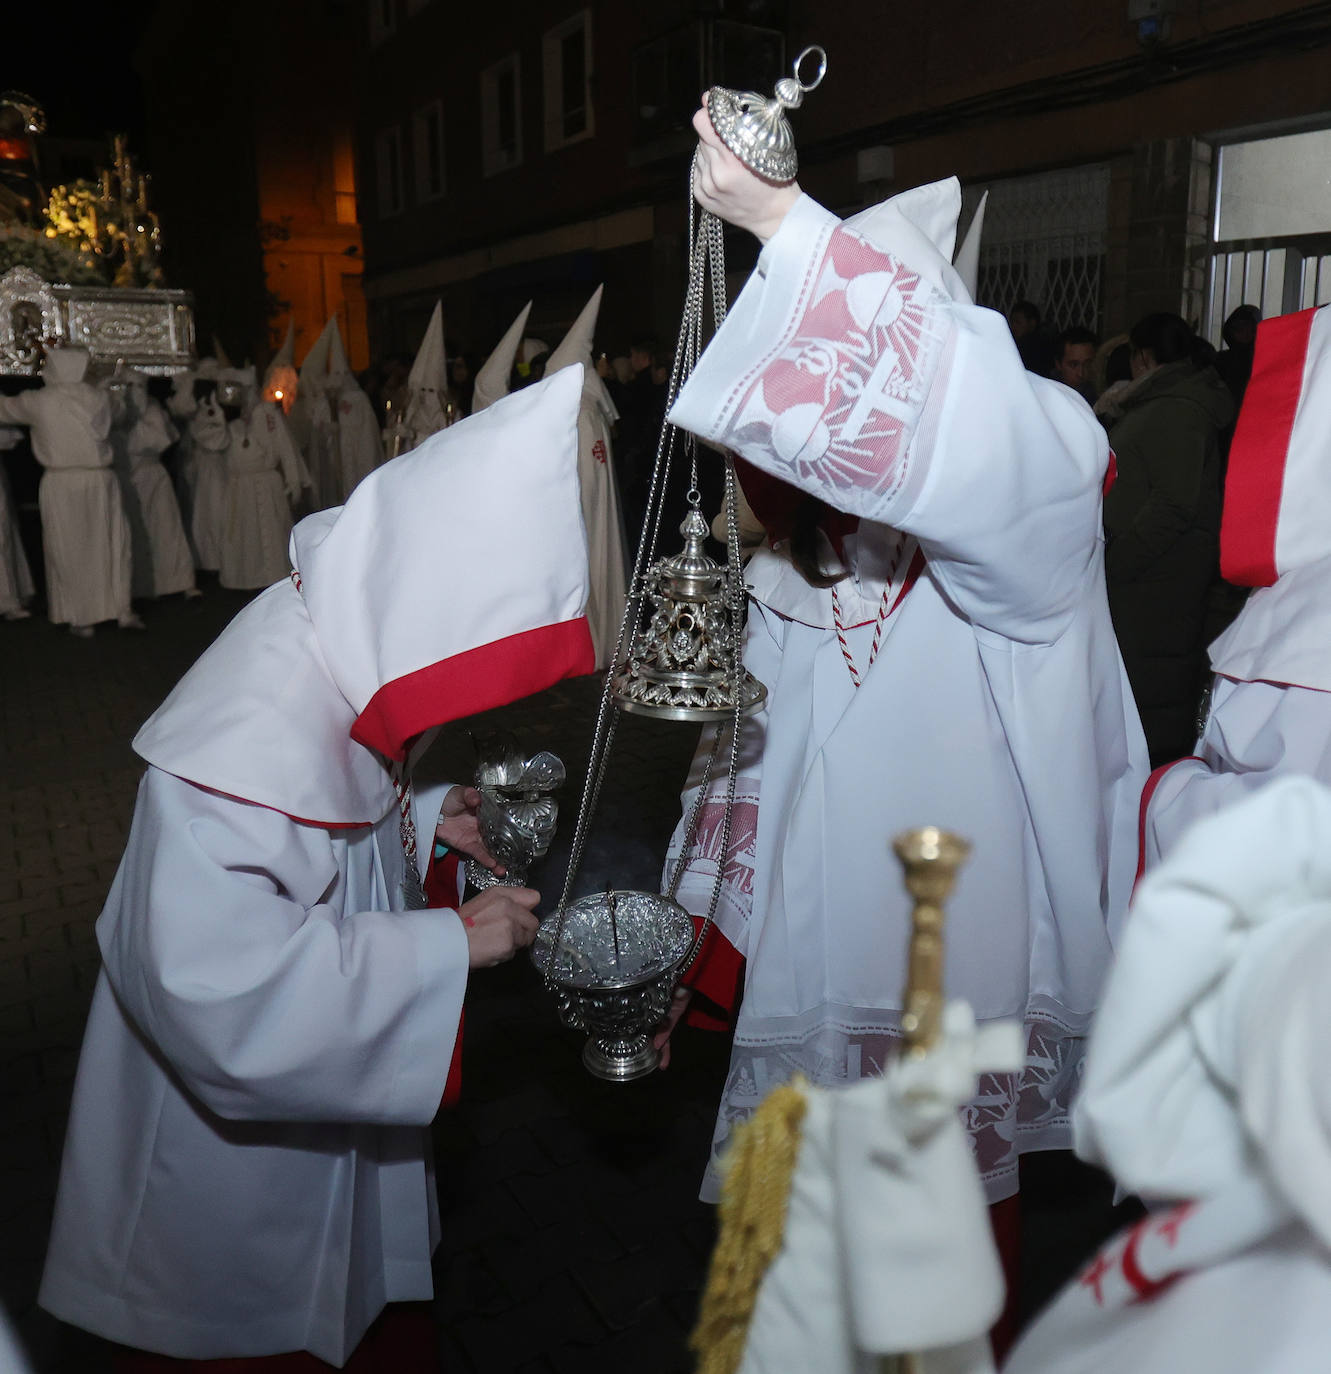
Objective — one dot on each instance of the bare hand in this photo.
(679, 1004)
(726, 187)
(499, 921)
(459, 829)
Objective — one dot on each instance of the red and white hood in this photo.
(1278, 488)
(453, 581)
(1276, 531)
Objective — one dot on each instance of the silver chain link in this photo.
(706, 252)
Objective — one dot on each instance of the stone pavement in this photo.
(573, 1239)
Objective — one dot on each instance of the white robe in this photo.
(16, 585)
(247, 1168)
(163, 563)
(210, 439)
(1205, 1093)
(263, 477)
(998, 707)
(85, 536)
(259, 983)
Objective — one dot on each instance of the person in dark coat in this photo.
(1162, 526)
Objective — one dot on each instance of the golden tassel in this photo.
(760, 1163)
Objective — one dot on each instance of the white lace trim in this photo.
(1009, 1115)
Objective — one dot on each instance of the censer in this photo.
(613, 959)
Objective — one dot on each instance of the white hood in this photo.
(492, 379)
(375, 640)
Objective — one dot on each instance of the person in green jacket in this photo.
(1162, 525)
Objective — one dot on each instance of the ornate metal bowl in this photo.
(517, 814)
(614, 978)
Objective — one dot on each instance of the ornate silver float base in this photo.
(620, 1059)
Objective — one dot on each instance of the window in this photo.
(1045, 240)
(427, 141)
(344, 179)
(383, 20)
(567, 53)
(501, 116)
(388, 165)
(1270, 244)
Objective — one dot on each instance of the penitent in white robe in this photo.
(1270, 708)
(1206, 1094)
(16, 585)
(162, 560)
(854, 367)
(263, 478)
(247, 1169)
(85, 535)
(209, 441)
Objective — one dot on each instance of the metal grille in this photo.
(1276, 275)
(1044, 240)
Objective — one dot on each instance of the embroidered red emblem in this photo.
(598, 450)
(839, 400)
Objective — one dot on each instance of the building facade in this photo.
(533, 151)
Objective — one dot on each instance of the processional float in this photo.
(613, 959)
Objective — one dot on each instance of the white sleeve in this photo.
(1255, 732)
(268, 1001)
(851, 375)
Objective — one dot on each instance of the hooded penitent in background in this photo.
(140, 435)
(429, 405)
(1206, 1093)
(209, 438)
(962, 666)
(344, 440)
(16, 585)
(600, 491)
(271, 1031)
(84, 531)
(1270, 706)
(281, 382)
(183, 405)
(493, 378)
(263, 476)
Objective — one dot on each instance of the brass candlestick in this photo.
(931, 859)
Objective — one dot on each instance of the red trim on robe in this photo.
(1111, 475)
(1257, 457)
(1147, 793)
(490, 675)
(441, 891)
(716, 974)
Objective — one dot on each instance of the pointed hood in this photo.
(429, 371)
(281, 382)
(576, 347)
(220, 353)
(314, 370)
(492, 379)
(373, 641)
(967, 261)
(339, 370)
(427, 384)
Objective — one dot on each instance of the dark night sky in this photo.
(77, 62)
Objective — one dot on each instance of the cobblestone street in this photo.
(573, 1238)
